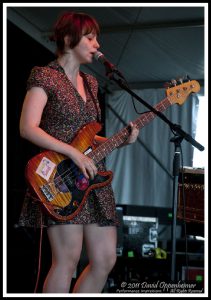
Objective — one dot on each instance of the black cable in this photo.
(40, 252)
(183, 200)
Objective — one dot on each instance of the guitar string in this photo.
(67, 174)
(161, 107)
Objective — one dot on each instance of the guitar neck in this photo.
(119, 138)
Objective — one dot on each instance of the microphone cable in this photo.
(40, 252)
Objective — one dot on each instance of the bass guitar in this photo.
(58, 183)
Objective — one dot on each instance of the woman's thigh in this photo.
(66, 241)
(100, 242)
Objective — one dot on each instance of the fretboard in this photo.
(119, 138)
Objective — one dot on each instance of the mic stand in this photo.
(180, 135)
(176, 167)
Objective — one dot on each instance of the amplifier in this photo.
(193, 274)
(193, 185)
(140, 235)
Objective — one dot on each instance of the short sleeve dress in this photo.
(64, 115)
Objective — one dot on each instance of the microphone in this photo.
(99, 56)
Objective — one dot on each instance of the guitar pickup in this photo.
(46, 192)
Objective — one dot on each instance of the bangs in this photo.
(90, 26)
(75, 25)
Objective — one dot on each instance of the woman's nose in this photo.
(97, 45)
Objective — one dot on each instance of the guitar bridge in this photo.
(46, 192)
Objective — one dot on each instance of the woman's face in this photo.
(86, 48)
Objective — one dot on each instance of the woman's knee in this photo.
(111, 261)
(105, 261)
(68, 261)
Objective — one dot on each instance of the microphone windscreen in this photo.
(97, 55)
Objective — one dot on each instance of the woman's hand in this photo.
(84, 163)
(133, 134)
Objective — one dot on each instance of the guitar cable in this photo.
(40, 251)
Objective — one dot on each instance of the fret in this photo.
(119, 138)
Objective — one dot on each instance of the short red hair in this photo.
(74, 25)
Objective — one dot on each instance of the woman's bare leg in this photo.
(101, 251)
(66, 245)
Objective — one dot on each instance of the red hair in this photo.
(74, 25)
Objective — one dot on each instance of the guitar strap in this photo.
(92, 96)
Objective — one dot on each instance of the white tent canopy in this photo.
(149, 44)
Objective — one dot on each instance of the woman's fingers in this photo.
(134, 133)
(88, 168)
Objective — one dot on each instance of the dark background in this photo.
(22, 244)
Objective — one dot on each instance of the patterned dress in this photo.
(64, 114)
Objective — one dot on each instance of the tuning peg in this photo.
(180, 80)
(167, 85)
(173, 82)
(187, 78)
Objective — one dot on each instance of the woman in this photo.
(57, 104)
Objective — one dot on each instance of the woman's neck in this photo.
(70, 66)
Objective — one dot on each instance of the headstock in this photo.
(178, 91)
